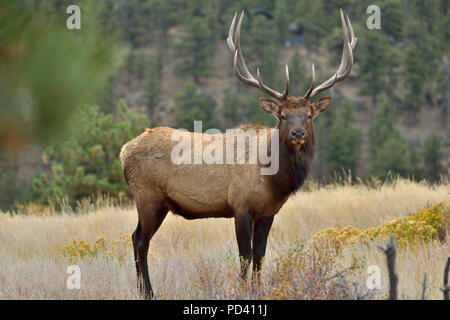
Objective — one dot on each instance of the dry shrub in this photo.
(33, 208)
(428, 225)
(204, 251)
(300, 273)
(220, 280)
(81, 250)
(86, 205)
(308, 273)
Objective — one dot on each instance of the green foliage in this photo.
(162, 14)
(47, 70)
(432, 157)
(383, 127)
(414, 73)
(443, 31)
(257, 40)
(153, 88)
(389, 151)
(107, 97)
(231, 108)
(376, 59)
(314, 20)
(271, 72)
(193, 104)
(334, 45)
(393, 18)
(322, 126)
(88, 162)
(13, 188)
(262, 50)
(422, 54)
(133, 17)
(338, 141)
(282, 19)
(392, 157)
(194, 49)
(345, 140)
(299, 73)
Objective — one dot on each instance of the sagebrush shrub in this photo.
(428, 225)
(81, 250)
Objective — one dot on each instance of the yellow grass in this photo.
(182, 250)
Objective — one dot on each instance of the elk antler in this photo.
(247, 77)
(346, 62)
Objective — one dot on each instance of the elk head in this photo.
(294, 114)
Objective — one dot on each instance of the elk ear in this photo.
(321, 105)
(270, 106)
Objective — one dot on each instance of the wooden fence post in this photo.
(389, 251)
(445, 289)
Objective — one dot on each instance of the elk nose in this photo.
(298, 133)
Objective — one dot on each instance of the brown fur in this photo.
(197, 191)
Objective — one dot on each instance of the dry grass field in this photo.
(198, 259)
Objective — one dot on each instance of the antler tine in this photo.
(286, 91)
(272, 92)
(234, 47)
(313, 80)
(354, 39)
(350, 64)
(346, 60)
(250, 81)
(345, 50)
(329, 84)
(247, 77)
(237, 39)
(230, 35)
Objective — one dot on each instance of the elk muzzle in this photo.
(297, 138)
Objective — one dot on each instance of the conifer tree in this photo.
(376, 59)
(193, 49)
(194, 105)
(345, 140)
(432, 157)
(153, 89)
(389, 152)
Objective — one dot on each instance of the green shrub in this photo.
(87, 163)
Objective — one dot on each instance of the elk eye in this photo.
(283, 117)
(310, 116)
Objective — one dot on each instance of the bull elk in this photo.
(236, 191)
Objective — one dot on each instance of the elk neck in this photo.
(294, 167)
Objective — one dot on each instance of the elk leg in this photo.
(150, 218)
(135, 238)
(243, 226)
(260, 233)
